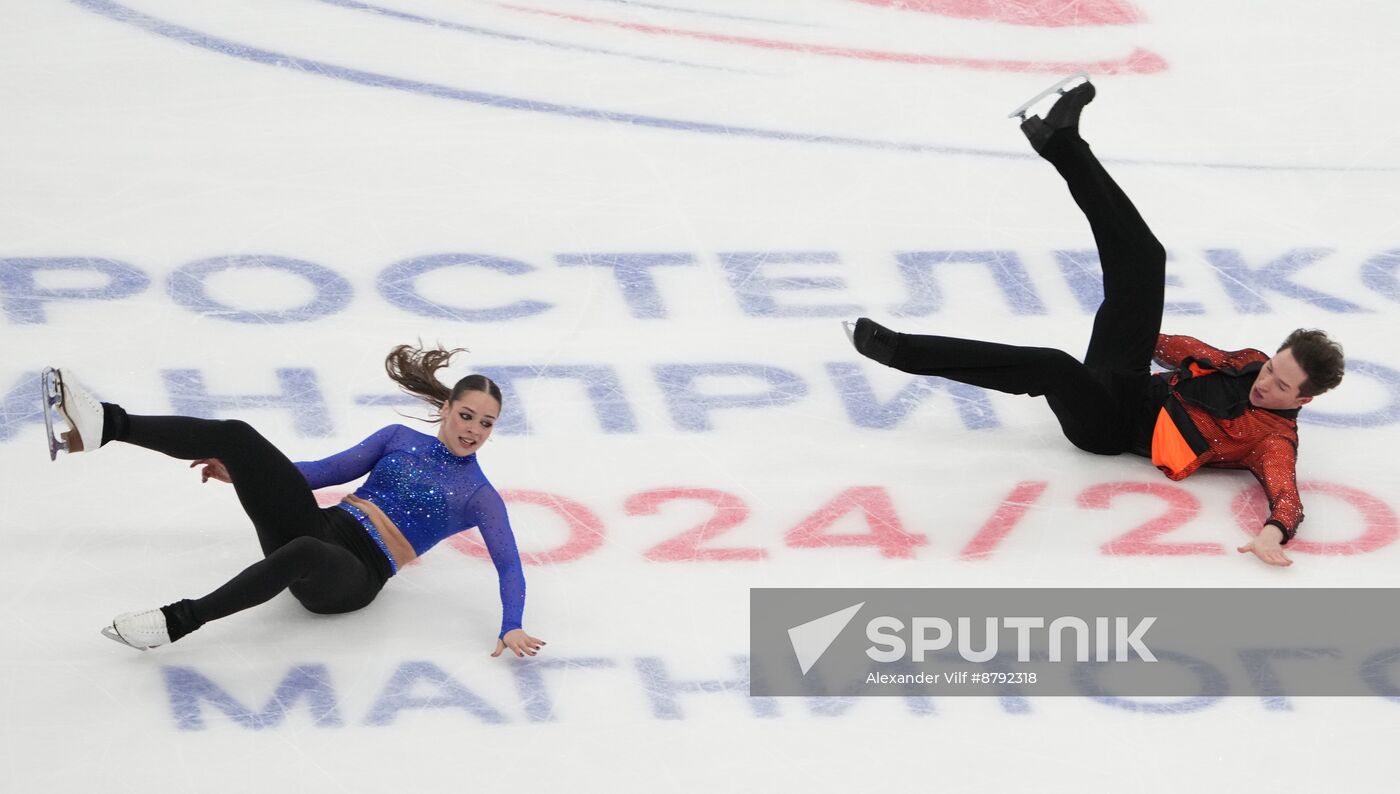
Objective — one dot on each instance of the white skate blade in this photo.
(110, 632)
(51, 391)
(1057, 88)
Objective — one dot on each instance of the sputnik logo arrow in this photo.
(811, 639)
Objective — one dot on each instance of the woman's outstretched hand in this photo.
(213, 467)
(520, 642)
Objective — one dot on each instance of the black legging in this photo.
(323, 556)
(1101, 403)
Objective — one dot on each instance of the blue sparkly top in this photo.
(429, 493)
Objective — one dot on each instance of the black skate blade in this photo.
(1056, 89)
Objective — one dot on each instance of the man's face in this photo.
(1278, 382)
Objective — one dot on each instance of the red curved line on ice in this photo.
(1039, 13)
(1139, 61)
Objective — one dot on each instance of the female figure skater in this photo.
(421, 489)
(1213, 408)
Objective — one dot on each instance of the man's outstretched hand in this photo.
(1268, 546)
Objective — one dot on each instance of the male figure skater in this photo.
(1212, 408)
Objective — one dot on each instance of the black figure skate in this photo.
(1063, 115)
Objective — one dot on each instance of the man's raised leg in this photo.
(1134, 262)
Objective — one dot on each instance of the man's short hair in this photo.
(1320, 358)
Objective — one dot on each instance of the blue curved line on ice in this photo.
(355, 5)
(170, 30)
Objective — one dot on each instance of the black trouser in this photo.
(323, 556)
(1103, 403)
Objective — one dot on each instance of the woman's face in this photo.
(467, 422)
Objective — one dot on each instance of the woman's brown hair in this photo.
(415, 368)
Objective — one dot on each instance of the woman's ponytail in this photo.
(415, 370)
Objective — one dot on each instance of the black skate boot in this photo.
(1063, 116)
(872, 340)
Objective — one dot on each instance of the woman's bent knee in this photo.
(320, 603)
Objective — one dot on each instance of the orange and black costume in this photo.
(1206, 420)
(1197, 414)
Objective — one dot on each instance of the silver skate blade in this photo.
(850, 329)
(1057, 88)
(110, 632)
(50, 390)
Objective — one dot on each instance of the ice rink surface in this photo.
(647, 219)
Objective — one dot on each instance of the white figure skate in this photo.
(1059, 88)
(140, 630)
(65, 398)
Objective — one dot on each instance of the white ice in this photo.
(154, 135)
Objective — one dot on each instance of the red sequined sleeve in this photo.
(1173, 350)
(1274, 462)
